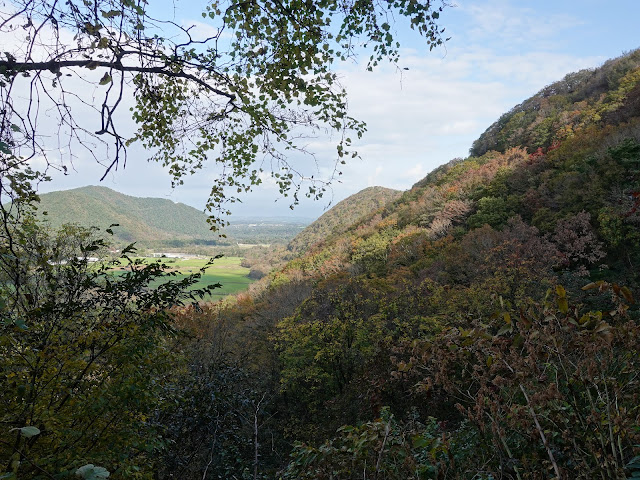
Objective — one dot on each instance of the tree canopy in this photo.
(242, 90)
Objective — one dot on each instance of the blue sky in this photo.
(500, 53)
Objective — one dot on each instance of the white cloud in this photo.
(416, 172)
(432, 112)
(515, 24)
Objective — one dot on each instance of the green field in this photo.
(226, 270)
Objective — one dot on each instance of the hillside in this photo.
(482, 325)
(140, 219)
(609, 95)
(155, 221)
(587, 163)
(341, 216)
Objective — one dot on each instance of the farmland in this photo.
(226, 270)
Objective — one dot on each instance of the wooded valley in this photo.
(481, 325)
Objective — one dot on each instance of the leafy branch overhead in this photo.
(244, 98)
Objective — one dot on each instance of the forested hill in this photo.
(158, 222)
(482, 325)
(344, 214)
(570, 151)
(609, 95)
(139, 219)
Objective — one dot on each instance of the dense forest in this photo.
(482, 325)
(344, 214)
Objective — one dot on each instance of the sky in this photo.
(425, 114)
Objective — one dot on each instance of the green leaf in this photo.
(111, 13)
(20, 323)
(505, 329)
(28, 432)
(518, 340)
(91, 472)
(420, 441)
(106, 78)
(563, 305)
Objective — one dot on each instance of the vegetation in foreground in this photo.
(83, 353)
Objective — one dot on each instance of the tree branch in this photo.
(12, 68)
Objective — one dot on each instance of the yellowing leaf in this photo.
(106, 78)
(626, 293)
(602, 327)
(563, 305)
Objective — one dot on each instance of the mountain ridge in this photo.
(342, 215)
(139, 218)
(155, 221)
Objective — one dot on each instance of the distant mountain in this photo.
(139, 219)
(158, 222)
(343, 215)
